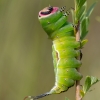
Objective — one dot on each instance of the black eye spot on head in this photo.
(45, 13)
(47, 10)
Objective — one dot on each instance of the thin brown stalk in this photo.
(78, 69)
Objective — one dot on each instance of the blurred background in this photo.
(26, 66)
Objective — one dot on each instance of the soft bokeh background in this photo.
(25, 51)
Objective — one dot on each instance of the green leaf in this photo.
(77, 3)
(90, 9)
(94, 80)
(82, 93)
(90, 80)
(83, 42)
(81, 3)
(87, 84)
(73, 15)
(81, 12)
(84, 27)
(85, 21)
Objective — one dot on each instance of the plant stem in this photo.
(77, 33)
(78, 89)
(78, 69)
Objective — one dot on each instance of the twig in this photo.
(78, 69)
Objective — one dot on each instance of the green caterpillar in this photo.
(65, 49)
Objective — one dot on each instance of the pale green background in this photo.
(25, 51)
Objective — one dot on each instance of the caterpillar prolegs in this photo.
(65, 49)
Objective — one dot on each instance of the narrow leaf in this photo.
(83, 42)
(77, 3)
(81, 3)
(73, 15)
(84, 27)
(90, 9)
(81, 12)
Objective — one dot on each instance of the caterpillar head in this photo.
(47, 11)
(48, 17)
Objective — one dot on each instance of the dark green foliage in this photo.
(82, 15)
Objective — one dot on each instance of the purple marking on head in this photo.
(48, 11)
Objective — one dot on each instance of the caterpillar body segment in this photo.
(65, 49)
(65, 63)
